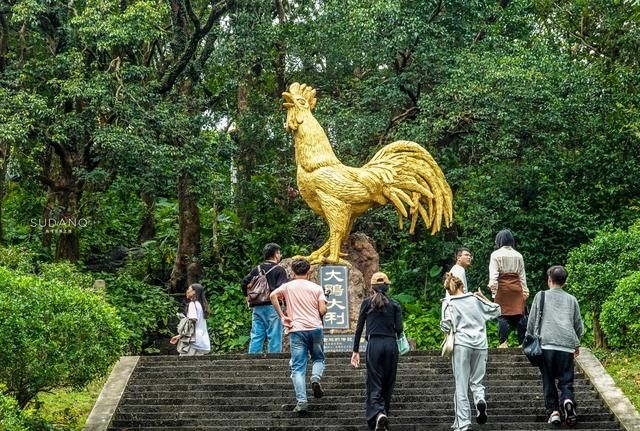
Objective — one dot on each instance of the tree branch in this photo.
(170, 77)
(396, 120)
(4, 42)
(192, 16)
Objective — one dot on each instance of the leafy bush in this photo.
(230, 320)
(595, 267)
(21, 259)
(143, 308)
(11, 418)
(424, 328)
(621, 313)
(54, 334)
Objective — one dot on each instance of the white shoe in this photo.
(382, 422)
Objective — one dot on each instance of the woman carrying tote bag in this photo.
(468, 313)
(383, 318)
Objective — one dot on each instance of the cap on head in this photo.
(380, 278)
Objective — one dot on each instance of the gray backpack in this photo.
(258, 288)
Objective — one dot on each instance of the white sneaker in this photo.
(554, 418)
(382, 422)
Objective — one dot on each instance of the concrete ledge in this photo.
(107, 402)
(624, 412)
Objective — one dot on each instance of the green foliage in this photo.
(624, 367)
(424, 327)
(18, 258)
(11, 418)
(621, 313)
(144, 309)
(595, 267)
(55, 333)
(67, 408)
(229, 321)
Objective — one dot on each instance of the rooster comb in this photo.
(308, 92)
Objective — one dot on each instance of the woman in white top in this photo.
(197, 312)
(508, 283)
(468, 314)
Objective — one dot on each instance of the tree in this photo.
(596, 267)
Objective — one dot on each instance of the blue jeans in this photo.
(303, 343)
(265, 324)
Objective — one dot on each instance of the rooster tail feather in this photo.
(405, 168)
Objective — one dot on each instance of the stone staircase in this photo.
(238, 392)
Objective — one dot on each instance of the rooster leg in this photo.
(339, 220)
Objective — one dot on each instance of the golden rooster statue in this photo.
(402, 173)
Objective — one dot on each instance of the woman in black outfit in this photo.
(383, 317)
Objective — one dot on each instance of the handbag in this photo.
(403, 344)
(532, 345)
(449, 339)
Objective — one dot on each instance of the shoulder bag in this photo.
(403, 344)
(449, 339)
(532, 345)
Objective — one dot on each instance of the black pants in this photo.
(556, 365)
(504, 322)
(382, 365)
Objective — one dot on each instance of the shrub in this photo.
(424, 328)
(53, 334)
(11, 418)
(595, 267)
(18, 258)
(230, 320)
(621, 313)
(143, 308)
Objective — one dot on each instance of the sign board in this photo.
(341, 343)
(335, 283)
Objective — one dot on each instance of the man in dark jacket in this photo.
(265, 321)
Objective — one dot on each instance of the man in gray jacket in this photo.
(560, 331)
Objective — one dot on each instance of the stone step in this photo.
(335, 396)
(414, 415)
(241, 406)
(397, 423)
(170, 372)
(517, 385)
(206, 399)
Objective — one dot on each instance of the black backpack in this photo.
(258, 288)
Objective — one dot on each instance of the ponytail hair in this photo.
(452, 283)
(379, 299)
(201, 298)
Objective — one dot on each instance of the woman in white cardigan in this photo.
(508, 283)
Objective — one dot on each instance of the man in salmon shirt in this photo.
(306, 304)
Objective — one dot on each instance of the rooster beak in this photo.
(287, 97)
(287, 105)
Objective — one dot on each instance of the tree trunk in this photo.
(215, 245)
(148, 229)
(68, 243)
(598, 336)
(187, 269)
(5, 150)
(246, 156)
